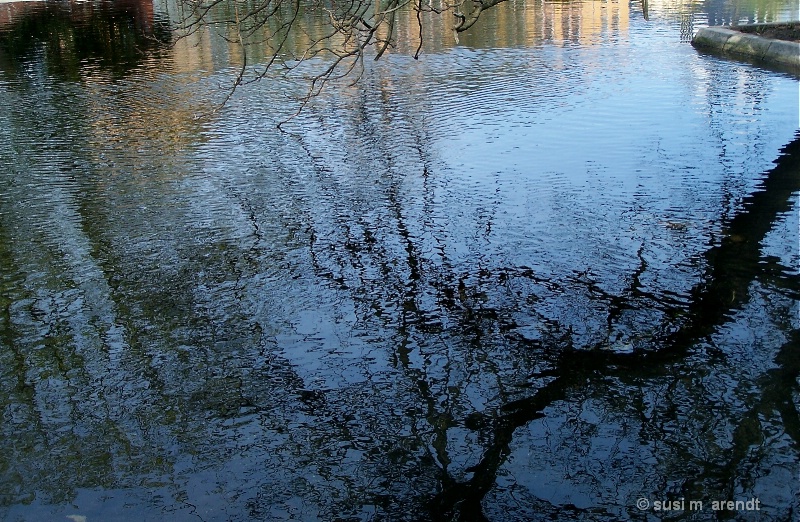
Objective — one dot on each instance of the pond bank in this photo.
(745, 41)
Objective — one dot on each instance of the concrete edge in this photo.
(784, 52)
(726, 40)
(714, 37)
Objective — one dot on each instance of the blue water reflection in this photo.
(540, 274)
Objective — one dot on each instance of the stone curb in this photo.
(781, 52)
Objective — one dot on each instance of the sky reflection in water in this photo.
(541, 274)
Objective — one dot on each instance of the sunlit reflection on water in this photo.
(536, 275)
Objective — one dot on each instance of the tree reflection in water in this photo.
(72, 37)
(309, 335)
(732, 267)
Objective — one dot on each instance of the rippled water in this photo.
(537, 275)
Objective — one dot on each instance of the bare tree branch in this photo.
(296, 36)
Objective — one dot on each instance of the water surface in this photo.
(539, 274)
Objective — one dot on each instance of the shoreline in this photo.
(736, 43)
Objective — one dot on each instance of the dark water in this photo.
(539, 275)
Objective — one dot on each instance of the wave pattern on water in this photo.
(501, 280)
